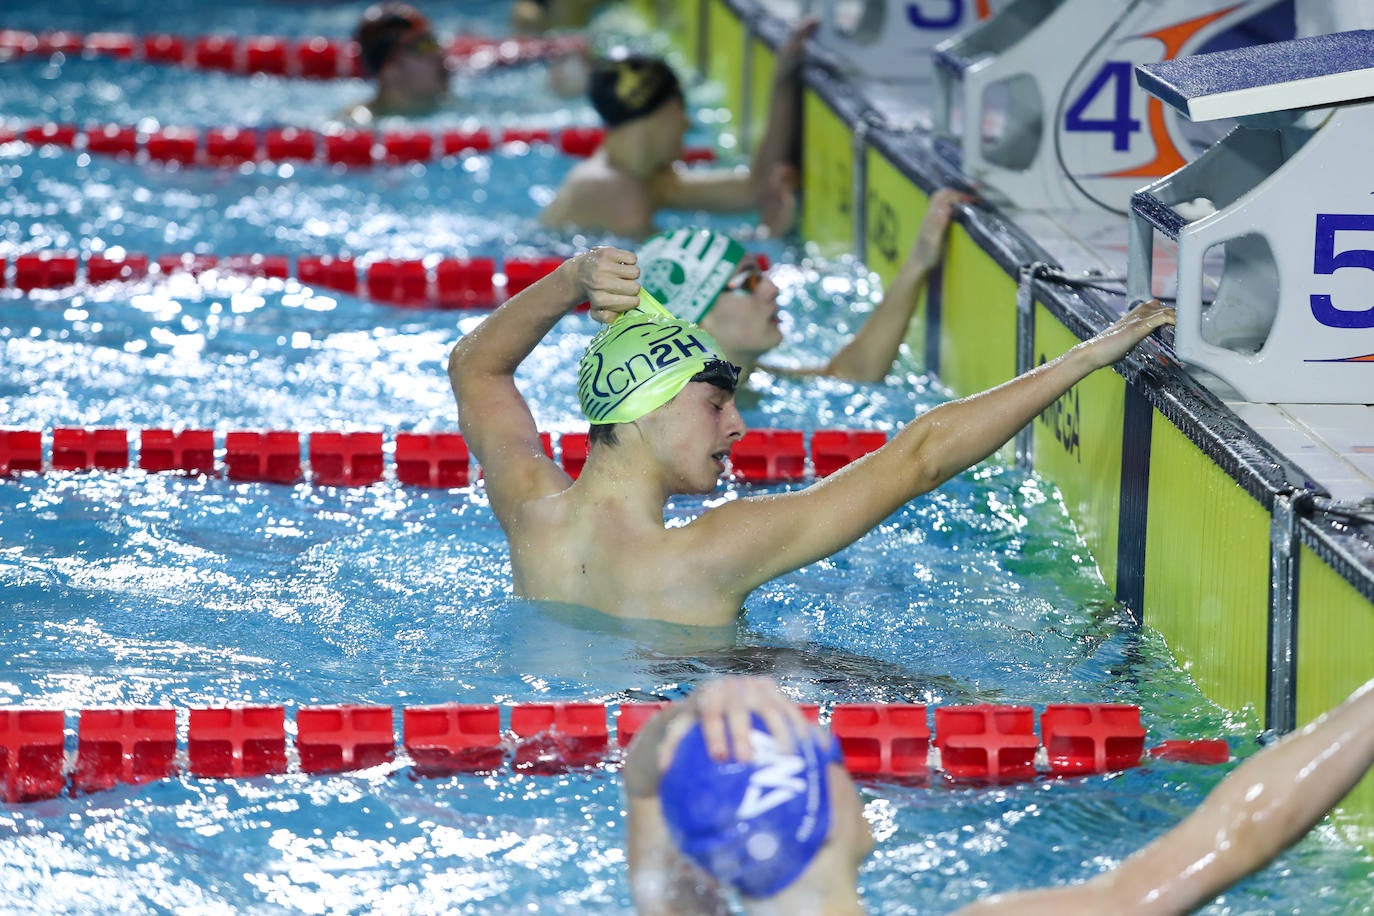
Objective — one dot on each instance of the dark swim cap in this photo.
(625, 86)
(757, 825)
(384, 27)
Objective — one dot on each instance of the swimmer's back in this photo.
(596, 197)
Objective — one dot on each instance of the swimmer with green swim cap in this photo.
(707, 277)
(659, 392)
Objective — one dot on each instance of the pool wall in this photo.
(1206, 532)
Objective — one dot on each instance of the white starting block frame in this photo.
(1291, 206)
(1075, 133)
(891, 40)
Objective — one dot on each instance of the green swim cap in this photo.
(642, 360)
(688, 268)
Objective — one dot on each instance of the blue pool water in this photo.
(128, 588)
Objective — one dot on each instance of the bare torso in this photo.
(594, 553)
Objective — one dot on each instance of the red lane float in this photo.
(124, 745)
(240, 741)
(986, 742)
(883, 739)
(311, 57)
(233, 147)
(31, 754)
(451, 283)
(890, 741)
(769, 455)
(453, 738)
(350, 459)
(550, 737)
(1091, 738)
(335, 739)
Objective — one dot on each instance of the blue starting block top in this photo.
(1311, 72)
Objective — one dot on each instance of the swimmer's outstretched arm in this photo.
(492, 414)
(1261, 808)
(869, 355)
(747, 542)
(662, 880)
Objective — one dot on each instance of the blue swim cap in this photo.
(753, 825)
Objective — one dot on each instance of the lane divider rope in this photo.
(981, 744)
(234, 147)
(308, 57)
(430, 281)
(359, 459)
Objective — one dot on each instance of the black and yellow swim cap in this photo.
(625, 86)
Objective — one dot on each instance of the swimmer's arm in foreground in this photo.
(747, 542)
(492, 414)
(870, 353)
(1261, 808)
(662, 879)
(769, 184)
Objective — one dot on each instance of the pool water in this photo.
(127, 589)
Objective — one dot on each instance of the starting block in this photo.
(893, 41)
(1287, 202)
(1039, 99)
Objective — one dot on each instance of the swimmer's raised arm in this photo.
(751, 541)
(1262, 807)
(492, 414)
(869, 355)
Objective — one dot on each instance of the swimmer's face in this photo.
(745, 318)
(692, 435)
(420, 67)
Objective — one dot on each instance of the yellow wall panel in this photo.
(1335, 655)
(1077, 445)
(725, 57)
(894, 207)
(827, 218)
(977, 318)
(1207, 570)
(761, 61)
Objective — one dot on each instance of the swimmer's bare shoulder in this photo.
(595, 196)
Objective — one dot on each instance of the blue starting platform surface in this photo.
(1320, 71)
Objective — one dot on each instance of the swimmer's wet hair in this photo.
(382, 29)
(625, 86)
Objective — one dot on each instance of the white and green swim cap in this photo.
(687, 268)
(642, 360)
